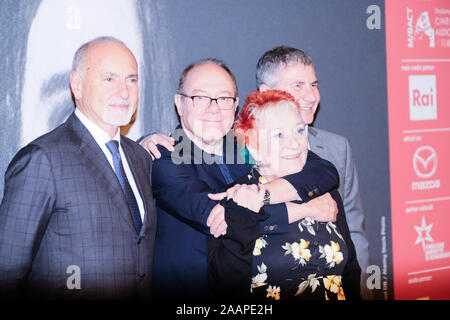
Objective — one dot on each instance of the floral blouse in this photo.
(311, 260)
(306, 263)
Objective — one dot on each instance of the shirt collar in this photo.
(100, 136)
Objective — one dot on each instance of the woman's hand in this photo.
(219, 196)
(248, 196)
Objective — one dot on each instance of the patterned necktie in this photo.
(113, 147)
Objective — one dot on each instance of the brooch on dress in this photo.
(251, 175)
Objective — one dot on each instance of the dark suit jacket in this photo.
(65, 223)
(182, 180)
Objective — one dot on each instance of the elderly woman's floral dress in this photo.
(309, 260)
(308, 263)
(305, 263)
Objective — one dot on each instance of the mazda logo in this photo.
(425, 162)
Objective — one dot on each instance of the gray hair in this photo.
(217, 62)
(80, 54)
(271, 61)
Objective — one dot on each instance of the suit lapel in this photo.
(94, 159)
(315, 144)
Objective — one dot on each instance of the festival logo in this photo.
(424, 233)
(433, 250)
(422, 28)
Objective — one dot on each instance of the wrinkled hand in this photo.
(323, 208)
(150, 144)
(249, 196)
(216, 221)
(219, 196)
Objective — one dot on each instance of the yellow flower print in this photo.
(299, 251)
(337, 255)
(273, 292)
(259, 244)
(262, 180)
(260, 278)
(341, 295)
(333, 284)
(332, 254)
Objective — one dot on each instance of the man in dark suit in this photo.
(78, 220)
(292, 70)
(204, 161)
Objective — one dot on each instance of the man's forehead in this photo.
(293, 66)
(112, 60)
(207, 77)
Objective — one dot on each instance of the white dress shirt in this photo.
(101, 137)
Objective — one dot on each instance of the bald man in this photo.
(77, 220)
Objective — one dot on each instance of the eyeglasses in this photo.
(203, 102)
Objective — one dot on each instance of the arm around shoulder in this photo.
(178, 190)
(317, 177)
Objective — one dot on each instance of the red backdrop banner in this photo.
(418, 71)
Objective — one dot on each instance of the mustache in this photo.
(125, 102)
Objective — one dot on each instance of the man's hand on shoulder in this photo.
(151, 142)
(322, 208)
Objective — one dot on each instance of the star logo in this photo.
(424, 233)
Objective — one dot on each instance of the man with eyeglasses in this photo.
(204, 161)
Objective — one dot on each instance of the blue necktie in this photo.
(224, 169)
(113, 147)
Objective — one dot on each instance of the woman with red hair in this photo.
(313, 260)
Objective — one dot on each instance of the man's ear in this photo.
(178, 104)
(264, 87)
(237, 102)
(76, 85)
